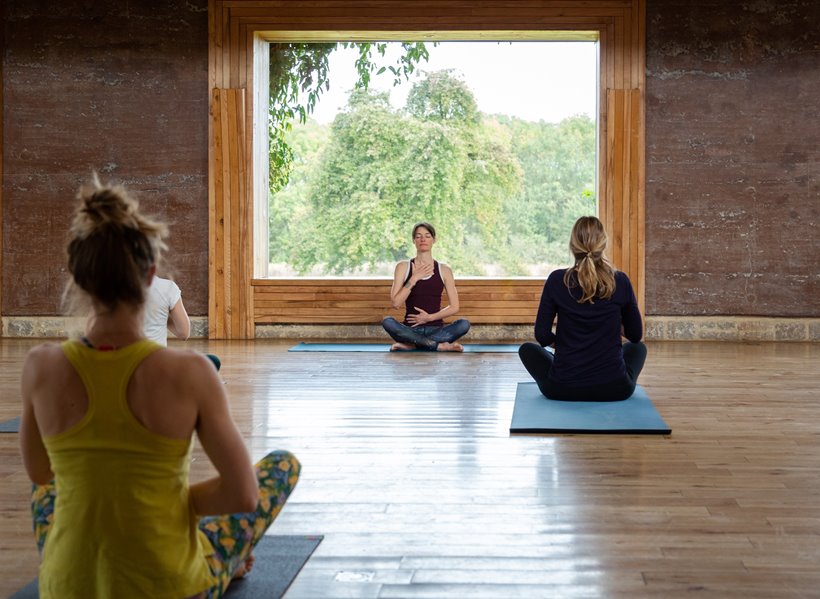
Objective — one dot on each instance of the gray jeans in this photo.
(425, 337)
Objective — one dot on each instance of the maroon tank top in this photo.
(426, 294)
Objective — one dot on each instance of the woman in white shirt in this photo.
(165, 311)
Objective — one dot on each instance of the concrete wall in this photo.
(116, 87)
(733, 165)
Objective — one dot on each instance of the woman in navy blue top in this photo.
(595, 307)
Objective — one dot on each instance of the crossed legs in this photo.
(234, 536)
(426, 337)
(538, 362)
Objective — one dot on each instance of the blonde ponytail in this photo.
(591, 271)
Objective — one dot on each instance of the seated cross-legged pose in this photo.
(595, 307)
(107, 430)
(165, 311)
(418, 284)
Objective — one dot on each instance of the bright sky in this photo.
(532, 80)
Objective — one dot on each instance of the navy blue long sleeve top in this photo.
(587, 336)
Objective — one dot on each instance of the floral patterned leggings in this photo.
(232, 536)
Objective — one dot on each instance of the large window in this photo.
(492, 142)
(242, 295)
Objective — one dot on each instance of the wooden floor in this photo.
(411, 475)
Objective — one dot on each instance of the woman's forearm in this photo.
(398, 298)
(443, 313)
(212, 497)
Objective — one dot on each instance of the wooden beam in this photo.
(622, 212)
(230, 311)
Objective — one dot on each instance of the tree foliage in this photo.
(442, 97)
(501, 191)
(383, 170)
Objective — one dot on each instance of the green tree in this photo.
(384, 169)
(443, 97)
(374, 176)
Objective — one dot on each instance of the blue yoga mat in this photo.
(385, 347)
(10, 426)
(278, 560)
(534, 413)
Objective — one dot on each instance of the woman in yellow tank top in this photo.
(107, 430)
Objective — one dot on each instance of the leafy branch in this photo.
(302, 68)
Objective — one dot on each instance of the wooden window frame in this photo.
(239, 33)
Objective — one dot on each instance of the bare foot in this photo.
(402, 347)
(450, 347)
(244, 569)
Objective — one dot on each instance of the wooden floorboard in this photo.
(410, 473)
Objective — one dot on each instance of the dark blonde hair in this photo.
(592, 271)
(112, 246)
(427, 226)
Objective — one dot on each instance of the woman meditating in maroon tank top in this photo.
(418, 284)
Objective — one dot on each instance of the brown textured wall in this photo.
(116, 87)
(733, 166)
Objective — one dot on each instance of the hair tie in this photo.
(589, 255)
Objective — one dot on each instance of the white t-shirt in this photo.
(162, 296)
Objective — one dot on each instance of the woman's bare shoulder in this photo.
(178, 361)
(46, 367)
(445, 269)
(179, 372)
(44, 353)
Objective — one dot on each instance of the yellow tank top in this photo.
(123, 525)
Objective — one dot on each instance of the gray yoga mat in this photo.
(385, 347)
(534, 413)
(10, 426)
(278, 560)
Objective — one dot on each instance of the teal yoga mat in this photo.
(278, 560)
(385, 347)
(534, 413)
